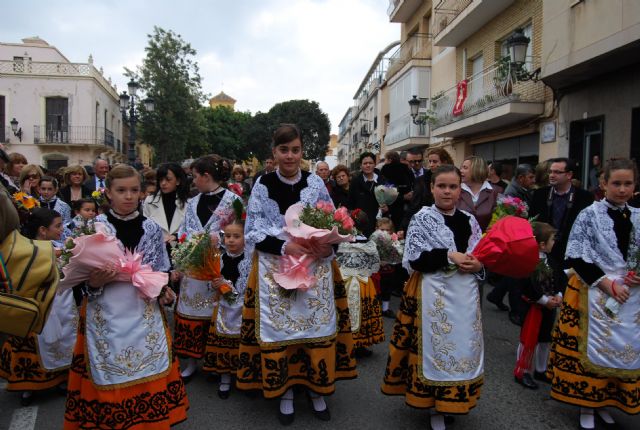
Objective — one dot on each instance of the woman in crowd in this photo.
(311, 343)
(340, 193)
(41, 361)
(361, 190)
(197, 299)
(402, 178)
(239, 176)
(124, 374)
(594, 362)
(477, 196)
(436, 352)
(15, 165)
(29, 179)
(168, 204)
(74, 189)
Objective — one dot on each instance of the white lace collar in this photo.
(218, 190)
(375, 177)
(293, 181)
(128, 217)
(613, 206)
(235, 255)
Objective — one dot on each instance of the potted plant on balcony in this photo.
(504, 76)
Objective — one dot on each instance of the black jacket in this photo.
(400, 176)
(361, 196)
(421, 197)
(65, 193)
(340, 196)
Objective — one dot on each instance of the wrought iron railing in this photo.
(498, 84)
(416, 47)
(446, 11)
(39, 68)
(73, 135)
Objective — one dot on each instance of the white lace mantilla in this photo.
(191, 223)
(58, 337)
(125, 333)
(427, 231)
(612, 341)
(358, 259)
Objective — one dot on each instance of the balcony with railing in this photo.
(402, 10)
(456, 20)
(73, 135)
(498, 96)
(416, 47)
(26, 67)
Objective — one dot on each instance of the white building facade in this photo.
(68, 113)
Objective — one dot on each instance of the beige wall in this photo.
(487, 40)
(574, 34)
(418, 23)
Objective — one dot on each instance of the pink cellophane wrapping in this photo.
(295, 271)
(96, 250)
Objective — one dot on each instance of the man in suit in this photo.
(269, 166)
(559, 204)
(97, 180)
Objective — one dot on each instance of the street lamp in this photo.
(414, 104)
(517, 45)
(16, 131)
(128, 102)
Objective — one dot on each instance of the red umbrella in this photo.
(509, 248)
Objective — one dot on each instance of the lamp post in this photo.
(16, 131)
(128, 101)
(517, 45)
(419, 120)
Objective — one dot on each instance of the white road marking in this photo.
(24, 418)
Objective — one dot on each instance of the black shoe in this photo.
(603, 424)
(541, 376)
(500, 305)
(224, 395)
(449, 419)
(389, 314)
(515, 319)
(286, 419)
(324, 415)
(363, 352)
(26, 401)
(526, 381)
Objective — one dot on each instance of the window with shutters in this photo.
(57, 119)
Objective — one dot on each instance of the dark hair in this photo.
(217, 167)
(416, 151)
(443, 154)
(497, 167)
(182, 189)
(620, 164)
(367, 155)
(392, 156)
(569, 163)
(51, 179)
(523, 170)
(286, 133)
(38, 217)
(76, 205)
(147, 184)
(543, 231)
(445, 168)
(340, 168)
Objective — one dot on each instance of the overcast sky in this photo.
(260, 52)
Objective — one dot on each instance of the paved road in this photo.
(357, 404)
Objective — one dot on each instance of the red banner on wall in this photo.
(460, 97)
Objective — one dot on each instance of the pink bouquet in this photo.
(508, 205)
(320, 225)
(93, 251)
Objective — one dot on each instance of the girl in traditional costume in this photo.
(291, 337)
(221, 352)
(124, 375)
(41, 361)
(436, 352)
(197, 299)
(595, 355)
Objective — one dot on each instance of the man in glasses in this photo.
(559, 204)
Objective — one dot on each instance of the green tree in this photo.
(170, 75)
(257, 135)
(225, 132)
(312, 121)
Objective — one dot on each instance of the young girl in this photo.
(49, 199)
(84, 210)
(197, 299)
(543, 299)
(288, 339)
(221, 352)
(595, 355)
(358, 262)
(440, 309)
(41, 361)
(388, 274)
(124, 374)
